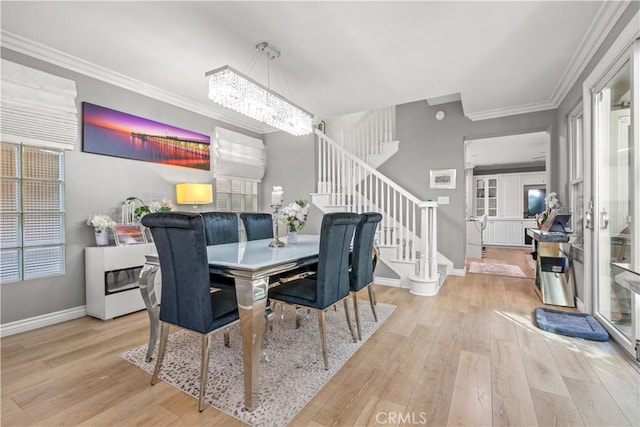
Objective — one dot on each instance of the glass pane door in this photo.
(616, 304)
(480, 197)
(492, 197)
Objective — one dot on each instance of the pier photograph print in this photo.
(114, 133)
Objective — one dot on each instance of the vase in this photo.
(292, 237)
(102, 238)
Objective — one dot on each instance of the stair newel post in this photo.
(426, 281)
(320, 164)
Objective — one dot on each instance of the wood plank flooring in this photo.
(470, 356)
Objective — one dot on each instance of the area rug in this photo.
(291, 370)
(496, 269)
(580, 325)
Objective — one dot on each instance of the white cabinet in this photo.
(516, 234)
(487, 234)
(534, 178)
(501, 232)
(486, 196)
(506, 232)
(111, 279)
(510, 196)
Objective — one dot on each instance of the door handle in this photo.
(604, 219)
(588, 217)
(588, 220)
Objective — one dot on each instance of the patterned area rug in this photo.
(291, 369)
(496, 269)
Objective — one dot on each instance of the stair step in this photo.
(401, 261)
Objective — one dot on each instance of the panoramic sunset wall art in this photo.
(113, 133)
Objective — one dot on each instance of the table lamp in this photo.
(190, 193)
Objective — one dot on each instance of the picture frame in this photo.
(114, 133)
(126, 235)
(442, 179)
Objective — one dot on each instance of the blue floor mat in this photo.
(572, 324)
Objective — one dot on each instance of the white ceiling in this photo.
(522, 149)
(338, 57)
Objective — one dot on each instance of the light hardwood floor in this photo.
(470, 356)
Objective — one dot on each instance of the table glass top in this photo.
(257, 254)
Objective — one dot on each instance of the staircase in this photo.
(406, 237)
(372, 136)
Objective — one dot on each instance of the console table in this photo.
(112, 279)
(554, 280)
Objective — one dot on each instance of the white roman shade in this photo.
(237, 156)
(37, 108)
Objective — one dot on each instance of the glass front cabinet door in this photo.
(486, 196)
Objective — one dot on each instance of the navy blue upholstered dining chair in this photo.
(187, 300)
(257, 225)
(362, 262)
(330, 284)
(220, 228)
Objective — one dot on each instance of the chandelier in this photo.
(239, 92)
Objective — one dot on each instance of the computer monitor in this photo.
(556, 222)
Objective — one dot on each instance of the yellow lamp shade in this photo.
(190, 193)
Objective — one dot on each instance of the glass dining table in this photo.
(250, 264)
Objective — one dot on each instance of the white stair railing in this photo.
(407, 221)
(368, 133)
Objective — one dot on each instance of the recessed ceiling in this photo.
(528, 149)
(337, 57)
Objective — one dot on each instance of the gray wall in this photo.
(426, 143)
(292, 165)
(99, 184)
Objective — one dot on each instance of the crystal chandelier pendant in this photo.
(236, 91)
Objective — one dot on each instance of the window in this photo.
(32, 242)
(576, 159)
(235, 195)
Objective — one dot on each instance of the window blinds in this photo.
(237, 156)
(37, 108)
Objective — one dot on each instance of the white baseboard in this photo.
(384, 281)
(458, 272)
(41, 321)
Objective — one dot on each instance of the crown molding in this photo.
(599, 29)
(511, 111)
(53, 56)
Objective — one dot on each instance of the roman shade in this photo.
(37, 108)
(237, 156)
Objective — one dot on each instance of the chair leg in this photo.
(164, 336)
(345, 302)
(355, 308)
(323, 339)
(205, 346)
(372, 301)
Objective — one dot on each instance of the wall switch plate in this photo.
(443, 200)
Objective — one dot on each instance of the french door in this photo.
(614, 218)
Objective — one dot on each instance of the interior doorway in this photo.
(505, 185)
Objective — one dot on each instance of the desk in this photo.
(250, 264)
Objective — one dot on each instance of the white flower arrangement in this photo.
(100, 222)
(294, 216)
(550, 202)
(131, 214)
